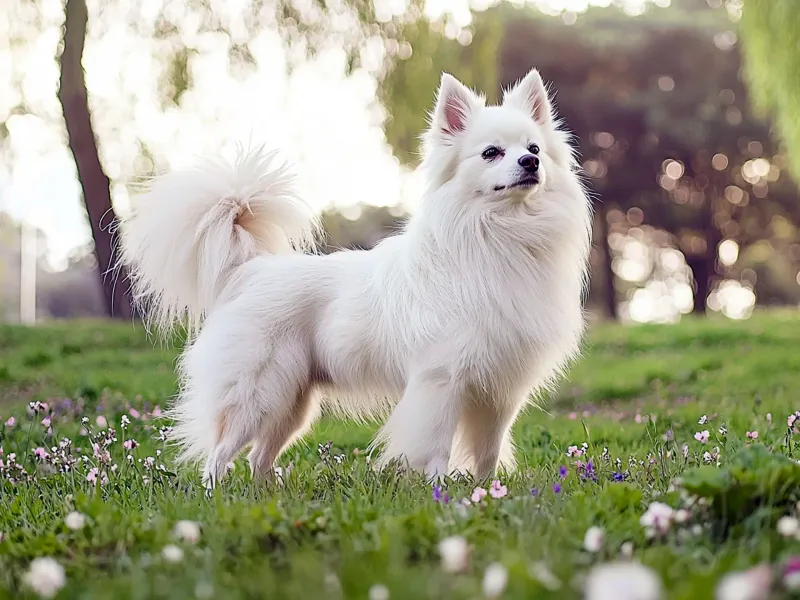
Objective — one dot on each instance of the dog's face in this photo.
(505, 152)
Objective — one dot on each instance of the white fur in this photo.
(448, 326)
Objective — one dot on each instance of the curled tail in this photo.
(193, 228)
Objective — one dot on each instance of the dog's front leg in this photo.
(421, 428)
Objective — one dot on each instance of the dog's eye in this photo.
(533, 149)
(491, 152)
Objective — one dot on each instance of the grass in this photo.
(335, 528)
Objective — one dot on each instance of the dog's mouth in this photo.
(525, 183)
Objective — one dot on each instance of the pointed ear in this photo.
(455, 103)
(530, 95)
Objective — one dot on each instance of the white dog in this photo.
(447, 327)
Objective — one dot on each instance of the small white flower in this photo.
(45, 577)
(75, 521)
(626, 550)
(622, 581)
(703, 420)
(594, 539)
(172, 553)
(495, 580)
(658, 519)
(682, 516)
(204, 591)
(378, 592)
(542, 573)
(187, 531)
(788, 526)
(454, 552)
(753, 584)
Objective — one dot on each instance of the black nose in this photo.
(529, 162)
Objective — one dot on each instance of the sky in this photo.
(325, 123)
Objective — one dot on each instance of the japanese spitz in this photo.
(447, 329)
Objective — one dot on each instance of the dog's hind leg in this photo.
(279, 431)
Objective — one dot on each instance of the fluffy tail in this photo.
(193, 228)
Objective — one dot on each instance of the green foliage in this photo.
(335, 527)
(771, 34)
(755, 483)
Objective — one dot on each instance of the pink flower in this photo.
(130, 444)
(101, 421)
(752, 435)
(574, 451)
(92, 476)
(134, 413)
(497, 489)
(41, 453)
(702, 436)
(46, 422)
(11, 422)
(156, 411)
(478, 494)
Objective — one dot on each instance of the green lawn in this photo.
(335, 528)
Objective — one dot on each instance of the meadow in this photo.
(665, 461)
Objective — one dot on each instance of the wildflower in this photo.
(589, 471)
(454, 552)
(594, 539)
(495, 579)
(622, 581)
(618, 476)
(130, 444)
(682, 516)
(788, 526)
(378, 592)
(753, 584)
(563, 472)
(703, 420)
(790, 421)
(478, 494)
(751, 435)
(11, 422)
(437, 493)
(172, 553)
(92, 476)
(534, 492)
(769, 418)
(657, 520)
(574, 452)
(497, 489)
(41, 453)
(626, 549)
(75, 521)
(541, 572)
(723, 431)
(101, 421)
(791, 573)
(46, 422)
(556, 488)
(134, 413)
(187, 531)
(45, 577)
(124, 421)
(702, 436)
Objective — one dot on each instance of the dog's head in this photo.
(508, 152)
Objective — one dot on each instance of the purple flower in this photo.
(563, 472)
(437, 493)
(589, 472)
(534, 492)
(618, 476)
(556, 488)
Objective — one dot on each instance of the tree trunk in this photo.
(94, 182)
(703, 271)
(609, 289)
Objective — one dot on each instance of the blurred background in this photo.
(685, 114)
